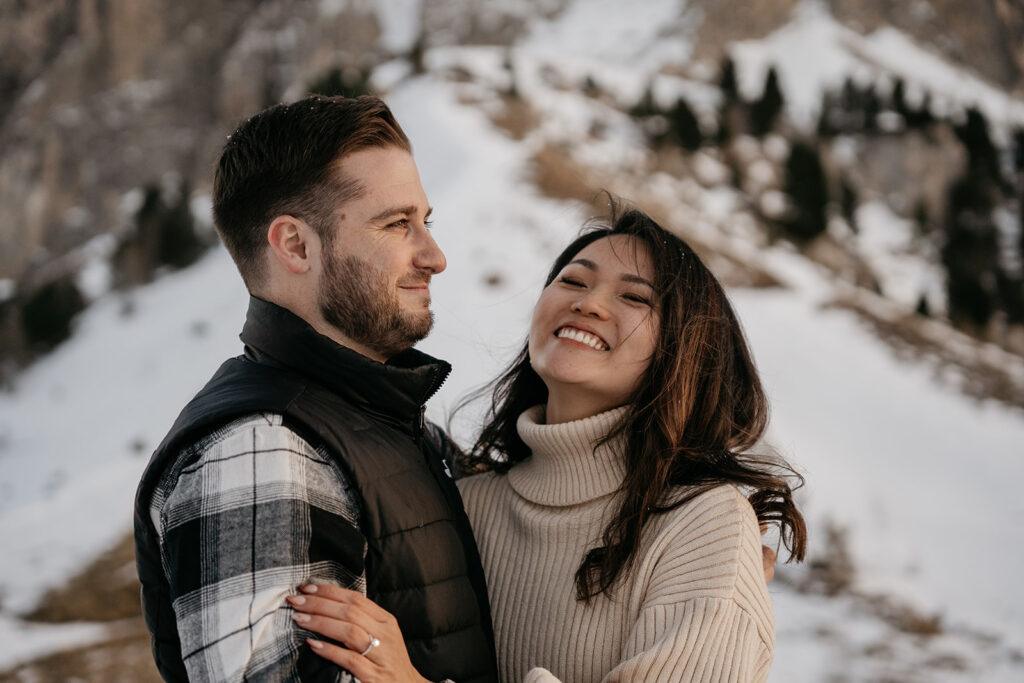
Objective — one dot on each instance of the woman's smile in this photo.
(583, 337)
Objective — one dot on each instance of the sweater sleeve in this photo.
(705, 614)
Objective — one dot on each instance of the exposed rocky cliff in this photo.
(105, 96)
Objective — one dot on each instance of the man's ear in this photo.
(292, 243)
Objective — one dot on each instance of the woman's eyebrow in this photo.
(637, 279)
(625, 277)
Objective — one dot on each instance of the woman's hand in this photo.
(374, 648)
(768, 557)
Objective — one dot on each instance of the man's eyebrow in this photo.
(626, 277)
(399, 211)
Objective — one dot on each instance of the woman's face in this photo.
(595, 328)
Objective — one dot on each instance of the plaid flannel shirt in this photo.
(256, 514)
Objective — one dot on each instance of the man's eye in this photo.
(399, 223)
(428, 224)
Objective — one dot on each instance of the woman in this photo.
(616, 543)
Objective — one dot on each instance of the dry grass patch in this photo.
(106, 590)
(557, 176)
(124, 659)
(516, 117)
(914, 337)
(831, 572)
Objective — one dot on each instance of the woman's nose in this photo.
(590, 304)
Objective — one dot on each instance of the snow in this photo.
(922, 478)
(813, 54)
(601, 32)
(887, 242)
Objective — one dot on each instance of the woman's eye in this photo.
(571, 281)
(637, 298)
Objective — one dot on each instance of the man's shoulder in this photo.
(254, 458)
(252, 432)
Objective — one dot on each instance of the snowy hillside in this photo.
(917, 478)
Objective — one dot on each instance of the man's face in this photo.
(374, 283)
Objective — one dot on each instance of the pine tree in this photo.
(1020, 232)
(921, 116)
(177, 243)
(981, 153)
(1011, 297)
(645, 106)
(872, 104)
(828, 116)
(732, 113)
(765, 111)
(807, 188)
(1018, 151)
(727, 81)
(851, 103)
(971, 251)
(47, 314)
(683, 127)
(899, 100)
(848, 203)
(923, 308)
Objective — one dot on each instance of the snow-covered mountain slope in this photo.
(920, 477)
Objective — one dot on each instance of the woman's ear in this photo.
(292, 243)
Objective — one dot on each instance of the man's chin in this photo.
(421, 324)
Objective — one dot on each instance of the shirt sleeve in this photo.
(254, 513)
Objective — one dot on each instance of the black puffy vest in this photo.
(422, 564)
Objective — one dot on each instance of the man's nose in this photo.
(429, 256)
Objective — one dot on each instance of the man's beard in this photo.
(358, 300)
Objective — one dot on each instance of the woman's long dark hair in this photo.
(691, 421)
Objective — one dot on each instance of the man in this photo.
(304, 460)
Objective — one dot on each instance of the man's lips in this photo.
(416, 285)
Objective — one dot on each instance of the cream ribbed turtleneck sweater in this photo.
(694, 607)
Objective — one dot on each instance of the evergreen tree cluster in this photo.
(978, 283)
(679, 126)
(346, 82)
(36, 320)
(855, 109)
(164, 236)
(673, 126)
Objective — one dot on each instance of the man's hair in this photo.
(286, 160)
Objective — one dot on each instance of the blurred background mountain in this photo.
(862, 156)
(113, 111)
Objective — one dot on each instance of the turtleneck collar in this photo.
(396, 389)
(565, 468)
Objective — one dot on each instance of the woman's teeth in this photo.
(582, 337)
